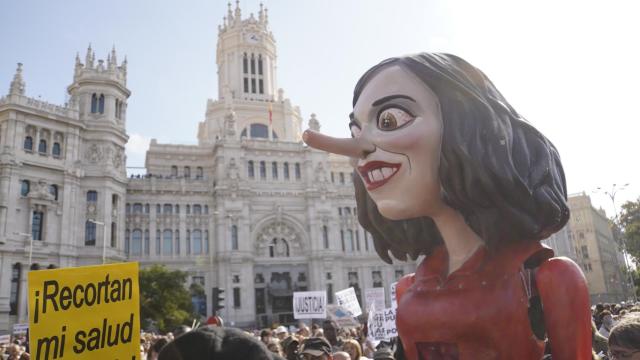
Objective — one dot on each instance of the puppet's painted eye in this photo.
(393, 118)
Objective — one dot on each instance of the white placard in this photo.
(341, 316)
(348, 299)
(392, 295)
(5, 339)
(20, 328)
(310, 305)
(382, 324)
(374, 296)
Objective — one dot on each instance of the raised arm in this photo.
(565, 302)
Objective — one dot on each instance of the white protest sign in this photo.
(341, 316)
(20, 328)
(348, 299)
(5, 339)
(382, 324)
(392, 295)
(374, 296)
(310, 305)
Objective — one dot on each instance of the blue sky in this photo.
(570, 67)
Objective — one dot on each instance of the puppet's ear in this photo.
(351, 147)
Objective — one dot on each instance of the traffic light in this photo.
(217, 300)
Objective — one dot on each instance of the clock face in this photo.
(252, 38)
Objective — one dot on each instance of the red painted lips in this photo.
(377, 173)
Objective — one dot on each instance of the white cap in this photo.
(281, 329)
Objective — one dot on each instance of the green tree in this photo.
(630, 223)
(164, 300)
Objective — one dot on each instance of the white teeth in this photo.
(377, 175)
(370, 176)
(386, 172)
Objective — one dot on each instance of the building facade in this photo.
(249, 210)
(597, 252)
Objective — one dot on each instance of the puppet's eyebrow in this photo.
(382, 100)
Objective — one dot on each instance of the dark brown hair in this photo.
(496, 169)
(626, 333)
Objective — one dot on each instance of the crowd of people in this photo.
(616, 336)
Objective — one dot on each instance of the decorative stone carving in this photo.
(278, 239)
(314, 124)
(233, 172)
(118, 158)
(230, 124)
(94, 154)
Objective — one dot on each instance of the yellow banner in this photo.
(90, 312)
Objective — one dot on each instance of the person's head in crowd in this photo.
(599, 307)
(352, 347)
(290, 347)
(265, 336)
(281, 332)
(607, 320)
(330, 330)
(624, 339)
(341, 355)
(303, 330)
(315, 348)
(14, 350)
(216, 343)
(383, 353)
(274, 347)
(155, 348)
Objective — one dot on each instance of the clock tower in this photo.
(249, 103)
(246, 57)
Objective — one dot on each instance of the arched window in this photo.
(94, 103)
(177, 209)
(259, 64)
(341, 178)
(350, 241)
(196, 242)
(146, 208)
(188, 209)
(37, 225)
(260, 86)
(263, 170)
(297, 171)
(188, 242)
(136, 242)
(197, 209)
(28, 143)
(274, 170)
(137, 208)
(53, 190)
(253, 66)
(56, 150)
(114, 234)
(92, 196)
(146, 242)
(199, 173)
(357, 240)
(250, 169)
(325, 236)
(234, 237)
(168, 209)
(206, 241)
(25, 186)
(101, 104)
(177, 236)
(286, 170)
(187, 172)
(158, 242)
(206, 209)
(127, 242)
(42, 147)
(245, 65)
(167, 242)
(174, 171)
(89, 233)
(258, 131)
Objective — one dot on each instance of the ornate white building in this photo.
(249, 210)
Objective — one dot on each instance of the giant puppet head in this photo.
(431, 131)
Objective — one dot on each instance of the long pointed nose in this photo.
(351, 147)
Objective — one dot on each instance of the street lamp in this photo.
(104, 239)
(30, 245)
